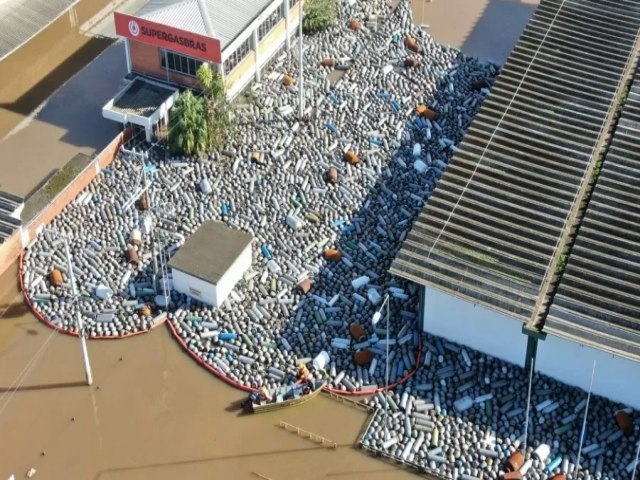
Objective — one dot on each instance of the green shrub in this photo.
(319, 15)
(189, 126)
(200, 124)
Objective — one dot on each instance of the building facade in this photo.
(168, 41)
(528, 250)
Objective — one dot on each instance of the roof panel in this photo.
(227, 18)
(21, 20)
(599, 294)
(452, 243)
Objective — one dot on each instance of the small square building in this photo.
(211, 262)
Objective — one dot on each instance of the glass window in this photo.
(270, 22)
(292, 3)
(236, 57)
(179, 63)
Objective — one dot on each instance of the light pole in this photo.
(376, 318)
(83, 340)
(301, 86)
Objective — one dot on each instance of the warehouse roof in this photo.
(10, 207)
(221, 19)
(22, 20)
(210, 251)
(598, 298)
(490, 231)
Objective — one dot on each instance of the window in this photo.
(292, 3)
(179, 63)
(195, 292)
(270, 22)
(236, 57)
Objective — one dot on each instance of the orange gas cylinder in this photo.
(332, 255)
(287, 80)
(515, 461)
(363, 357)
(55, 277)
(351, 158)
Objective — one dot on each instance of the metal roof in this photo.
(501, 208)
(221, 19)
(210, 251)
(21, 20)
(598, 298)
(9, 204)
(142, 97)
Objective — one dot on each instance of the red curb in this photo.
(204, 364)
(48, 323)
(246, 388)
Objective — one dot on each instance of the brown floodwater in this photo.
(152, 413)
(38, 68)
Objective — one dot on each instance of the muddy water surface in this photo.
(151, 414)
(32, 73)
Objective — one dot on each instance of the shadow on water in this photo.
(48, 386)
(370, 239)
(38, 93)
(502, 21)
(248, 455)
(13, 310)
(487, 29)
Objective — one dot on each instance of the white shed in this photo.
(211, 262)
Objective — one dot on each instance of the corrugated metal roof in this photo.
(550, 101)
(20, 20)
(8, 205)
(598, 298)
(227, 18)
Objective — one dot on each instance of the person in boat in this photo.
(303, 373)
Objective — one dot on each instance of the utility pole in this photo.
(83, 340)
(301, 83)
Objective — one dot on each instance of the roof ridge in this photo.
(206, 18)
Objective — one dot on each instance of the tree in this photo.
(199, 124)
(220, 111)
(319, 15)
(189, 126)
(211, 83)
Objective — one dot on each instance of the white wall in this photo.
(182, 282)
(234, 274)
(212, 294)
(470, 324)
(616, 377)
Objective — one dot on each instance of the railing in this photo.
(348, 401)
(307, 434)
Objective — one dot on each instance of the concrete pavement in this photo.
(70, 121)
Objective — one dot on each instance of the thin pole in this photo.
(635, 464)
(83, 340)
(301, 84)
(584, 422)
(386, 375)
(526, 418)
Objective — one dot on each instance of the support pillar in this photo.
(287, 34)
(256, 54)
(533, 336)
(127, 52)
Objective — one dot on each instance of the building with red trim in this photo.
(167, 40)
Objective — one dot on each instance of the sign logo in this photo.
(164, 36)
(134, 28)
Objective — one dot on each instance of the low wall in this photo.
(11, 249)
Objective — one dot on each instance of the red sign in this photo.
(163, 36)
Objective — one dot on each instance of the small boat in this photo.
(285, 396)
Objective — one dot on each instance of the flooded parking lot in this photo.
(151, 413)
